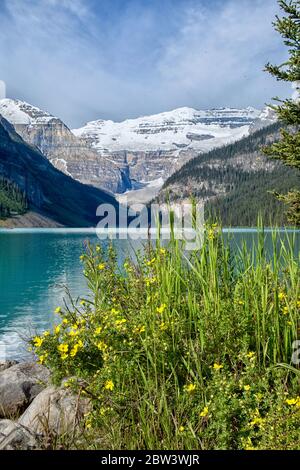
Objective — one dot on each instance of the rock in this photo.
(19, 385)
(54, 411)
(6, 364)
(13, 436)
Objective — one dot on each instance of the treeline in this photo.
(236, 181)
(247, 145)
(254, 197)
(12, 199)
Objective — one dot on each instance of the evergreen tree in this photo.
(288, 148)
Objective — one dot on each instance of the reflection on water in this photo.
(35, 268)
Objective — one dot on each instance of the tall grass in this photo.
(179, 350)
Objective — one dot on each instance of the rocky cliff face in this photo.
(155, 146)
(122, 156)
(49, 191)
(65, 151)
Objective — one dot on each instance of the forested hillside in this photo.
(12, 199)
(236, 181)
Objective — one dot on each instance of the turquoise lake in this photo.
(37, 265)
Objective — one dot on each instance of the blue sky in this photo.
(116, 59)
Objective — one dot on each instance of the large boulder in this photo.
(19, 385)
(6, 364)
(13, 436)
(55, 411)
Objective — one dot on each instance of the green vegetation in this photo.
(12, 199)
(251, 194)
(288, 148)
(236, 182)
(184, 351)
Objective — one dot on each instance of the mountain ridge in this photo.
(128, 155)
(49, 191)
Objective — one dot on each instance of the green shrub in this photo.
(179, 351)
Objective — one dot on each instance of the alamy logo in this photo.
(156, 221)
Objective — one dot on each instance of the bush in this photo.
(179, 351)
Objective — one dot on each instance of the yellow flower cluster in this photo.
(204, 412)
(109, 385)
(38, 341)
(293, 401)
(161, 308)
(190, 388)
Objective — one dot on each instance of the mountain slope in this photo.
(65, 151)
(234, 181)
(48, 190)
(155, 146)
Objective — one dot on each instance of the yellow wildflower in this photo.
(120, 322)
(63, 348)
(38, 341)
(74, 350)
(162, 251)
(42, 358)
(181, 428)
(109, 385)
(57, 329)
(285, 310)
(101, 266)
(281, 296)
(98, 330)
(163, 326)
(149, 281)
(46, 333)
(65, 321)
(217, 366)
(247, 388)
(250, 354)
(161, 309)
(102, 346)
(257, 420)
(139, 329)
(73, 333)
(57, 310)
(149, 263)
(293, 401)
(190, 388)
(204, 412)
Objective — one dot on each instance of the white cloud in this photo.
(63, 56)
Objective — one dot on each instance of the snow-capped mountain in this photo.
(155, 146)
(64, 150)
(122, 156)
(181, 128)
(22, 113)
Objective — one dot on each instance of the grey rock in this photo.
(13, 436)
(55, 411)
(6, 364)
(19, 385)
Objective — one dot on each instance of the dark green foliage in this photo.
(12, 199)
(237, 193)
(288, 148)
(253, 197)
